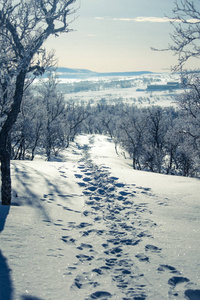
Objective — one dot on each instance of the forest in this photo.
(158, 139)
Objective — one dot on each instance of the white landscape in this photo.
(129, 89)
(100, 170)
(88, 226)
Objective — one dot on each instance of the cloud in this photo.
(100, 18)
(162, 20)
(152, 19)
(148, 19)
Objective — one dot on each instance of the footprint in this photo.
(47, 221)
(101, 191)
(88, 173)
(152, 248)
(92, 188)
(83, 225)
(120, 198)
(98, 271)
(58, 224)
(66, 239)
(82, 246)
(123, 193)
(81, 167)
(115, 250)
(126, 263)
(114, 241)
(69, 209)
(83, 257)
(81, 183)
(114, 178)
(84, 281)
(111, 262)
(120, 185)
(130, 242)
(142, 257)
(100, 295)
(97, 198)
(168, 268)
(78, 176)
(123, 271)
(87, 179)
(177, 280)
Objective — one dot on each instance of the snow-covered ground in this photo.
(137, 93)
(88, 226)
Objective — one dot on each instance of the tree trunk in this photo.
(5, 141)
(5, 179)
(5, 173)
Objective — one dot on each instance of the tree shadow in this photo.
(6, 286)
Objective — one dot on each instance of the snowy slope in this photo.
(90, 227)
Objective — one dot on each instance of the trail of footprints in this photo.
(116, 223)
(110, 204)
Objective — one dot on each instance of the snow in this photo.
(137, 94)
(88, 226)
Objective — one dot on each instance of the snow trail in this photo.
(115, 220)
(80, 229)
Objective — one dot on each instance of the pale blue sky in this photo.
(117, 35)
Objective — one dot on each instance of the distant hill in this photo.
(84, 73)
(74, 73)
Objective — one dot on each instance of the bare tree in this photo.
(185, 38)
(53, 109)
(27, 130)
(24, 27)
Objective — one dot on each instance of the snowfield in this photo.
(127, 89)
(88, 226)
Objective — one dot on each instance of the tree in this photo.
(76, 114)
(24, 27)
(189, 103)
(46, 120)
(131, 134)
(27, 130)
(154, 139)
(186, 45)
(53, 113)
(185, 38)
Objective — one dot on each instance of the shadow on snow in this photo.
(6, 286)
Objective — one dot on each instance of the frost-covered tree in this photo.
(75, 116)
(46, 121)
(131, 134)
(24, 27)
(185, 37)
(27, 130)
(189, 104)
(53, 113)
(154, 138)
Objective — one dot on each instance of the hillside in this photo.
(88, 226)
(83, 73)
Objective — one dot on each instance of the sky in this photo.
(117, 36)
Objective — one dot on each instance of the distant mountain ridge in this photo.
(84, 73)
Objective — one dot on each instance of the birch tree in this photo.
(185, 37)
(24, 27)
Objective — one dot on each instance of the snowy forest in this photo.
(99, 173)
(158, 139)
